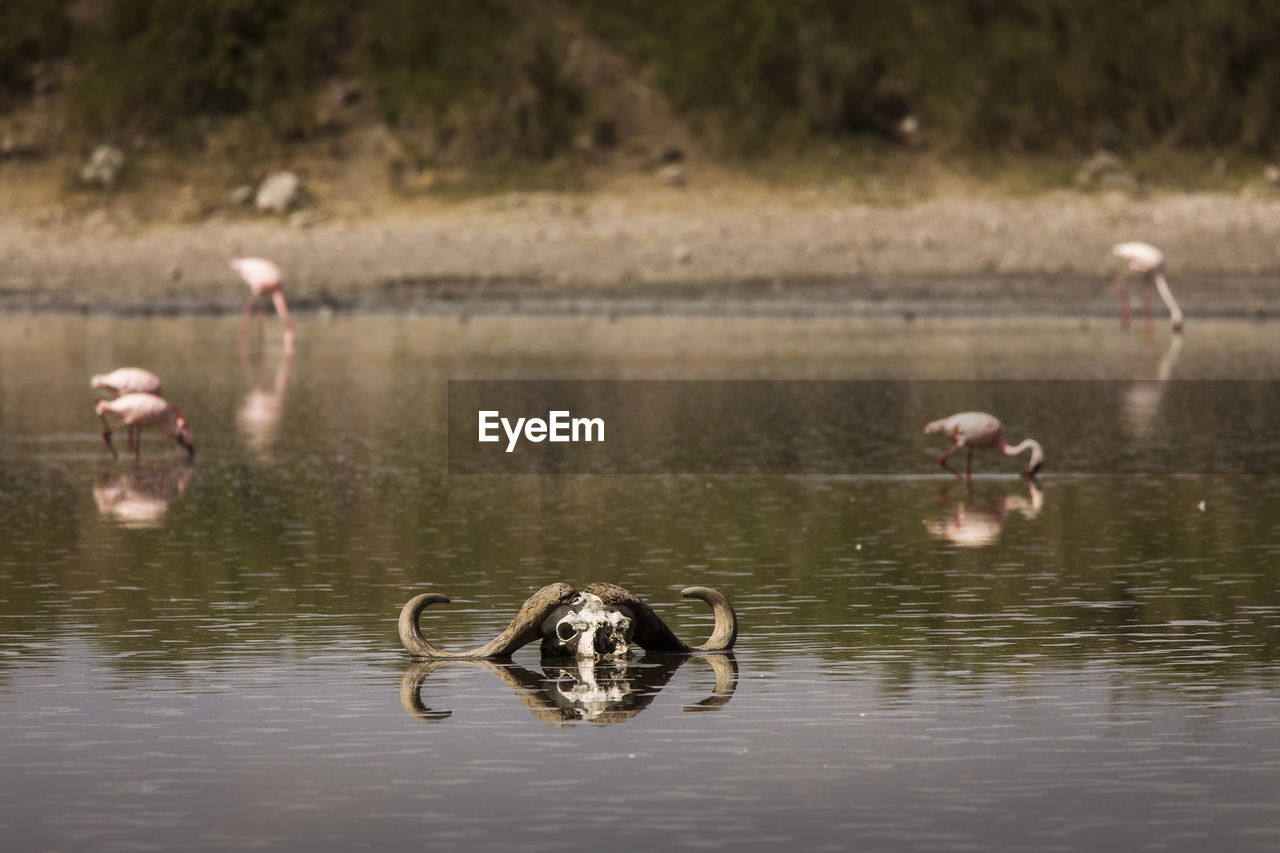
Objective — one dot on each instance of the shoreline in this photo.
(907, 298)
(716, 251)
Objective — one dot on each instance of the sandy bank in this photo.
(668, 250)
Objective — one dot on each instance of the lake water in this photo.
(205, 656)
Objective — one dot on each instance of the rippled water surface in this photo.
(205, 657)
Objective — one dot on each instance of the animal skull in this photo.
(588, 629)
(600, 622)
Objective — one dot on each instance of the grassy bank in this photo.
(486, 84)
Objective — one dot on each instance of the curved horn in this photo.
(726, 630)
(524, 629)
(652, 633)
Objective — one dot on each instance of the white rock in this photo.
(1104, 170)
(104, 166)
(673, 176)
(278, 192)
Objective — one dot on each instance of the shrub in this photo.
(31, 31)
(491, 80)
(153, 64)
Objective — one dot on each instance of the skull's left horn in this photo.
(524, 629)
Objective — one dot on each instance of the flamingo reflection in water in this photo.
(603, 692)
(1142, 398)
(261, 410)
(139, 499)
(974, 523)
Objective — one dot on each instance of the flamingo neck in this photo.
(1037, 452)
(282, 308)
(1166, 295)
(173, 419)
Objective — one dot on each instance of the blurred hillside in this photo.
(410, 97)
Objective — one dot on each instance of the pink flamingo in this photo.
(263, 278)
(1148, 261)
(979, 429)
(127, 380)
(144, 410)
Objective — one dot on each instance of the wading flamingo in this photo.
(127, 380)
(981, 430)
(1147, 261)
(141, 411)
(264, 279)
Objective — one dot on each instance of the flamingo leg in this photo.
(942, 460)
(1146, 310)
(282, 308)
(1126, 316)
(249, 305)
(968, 467)
(106, 436)
(1166, 296)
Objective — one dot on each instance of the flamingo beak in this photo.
(106, 436)
(1031, 472)
(187, 446)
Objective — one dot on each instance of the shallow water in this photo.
(206, 656)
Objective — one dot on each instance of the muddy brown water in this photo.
(206, 657)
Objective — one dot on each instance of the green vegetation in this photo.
(153, 65)
(487, 78)
(502, 81)
(1010, 75)
(30, 32)
(754, 74)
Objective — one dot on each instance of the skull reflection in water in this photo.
(597, 692)
(588, 629)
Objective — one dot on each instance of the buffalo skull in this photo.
(588, 630)
(600, 622)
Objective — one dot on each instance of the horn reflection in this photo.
(603, 693)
